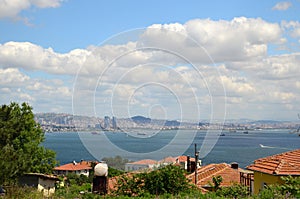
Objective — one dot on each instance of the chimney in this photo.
(234, 165)
(188, 164)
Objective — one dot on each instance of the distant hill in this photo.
(265, 122)
(141, 119)
(68, 121)
(172, 123)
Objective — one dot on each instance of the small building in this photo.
(229, 173)
(141, 164)
(152, 164)
(44, 183)
(79, 168)
(269, 170)
(167, 161)
(187, 163)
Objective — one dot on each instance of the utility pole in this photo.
(196, 164)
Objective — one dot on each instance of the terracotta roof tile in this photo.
(144, 162)
(184, 159)
(206, 174)
(287, 163)
(168, 160)
(73, 167)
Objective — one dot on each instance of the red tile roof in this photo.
(144, 162)
(184, 159)
(206, 174)
(73, 167)
(287, 163)
(168, 160)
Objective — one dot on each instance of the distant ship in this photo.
(263, 146)
(245, 132)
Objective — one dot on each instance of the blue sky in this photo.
(52, 54)
(76, 24)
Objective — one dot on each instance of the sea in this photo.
(240, 147)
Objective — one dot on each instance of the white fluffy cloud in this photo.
(39, 92)
(239, 39)
(292, 27)
(12, 77)
(283, 5)
(174, 66)
(11, 8)
(33, 57)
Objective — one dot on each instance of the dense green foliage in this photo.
(114, 172)
(217, 180)
(22, 192)
(289, 189)
(116, 162)
(20, 139)
(74, 179)
(166, 180)
(235, 191)
(75, 186)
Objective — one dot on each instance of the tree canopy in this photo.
(116, 162)
(168, 179)
(20, 139)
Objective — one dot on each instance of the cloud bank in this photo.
(12, 8)
(284, 5)
(181, 67)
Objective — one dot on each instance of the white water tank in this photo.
(101, 169)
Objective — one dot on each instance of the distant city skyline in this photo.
(213, 60)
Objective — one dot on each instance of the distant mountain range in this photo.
(145, 120)
(51, 122)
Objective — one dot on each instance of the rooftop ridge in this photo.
(286, 163)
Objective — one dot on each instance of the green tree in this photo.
(166, 180)
(217, 180)
(20, 139)
(233, 191)
(114, 172)
(116, 162)
(291, 186)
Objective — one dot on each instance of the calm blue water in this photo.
(233, 147)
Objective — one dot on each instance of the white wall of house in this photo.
(85, 172)
(47, 186)
(136, 167)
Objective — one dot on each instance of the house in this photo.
(230, 174)
(82, 167)
(269, 170)
(167, 160)
(152, 164)
(141, 164)
(187, 163)
(44, 183)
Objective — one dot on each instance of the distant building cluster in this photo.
(51, 122)
(110, 123)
